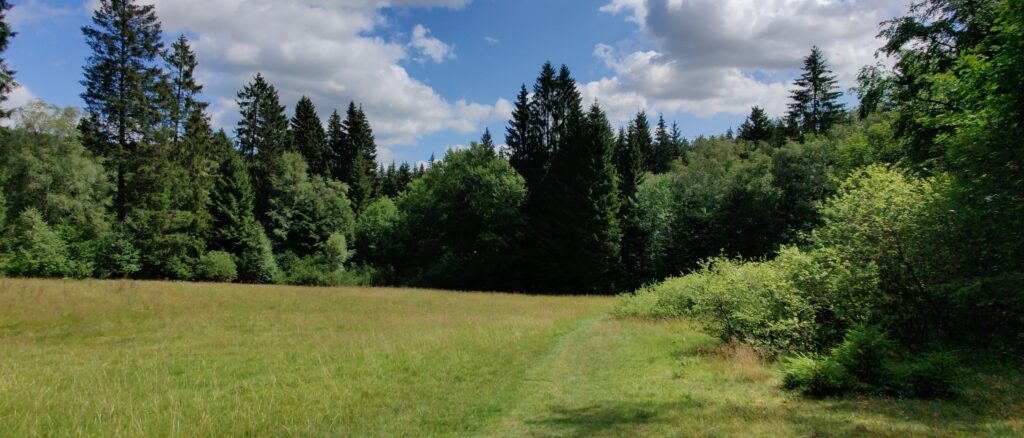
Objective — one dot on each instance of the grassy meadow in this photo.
(124, 358)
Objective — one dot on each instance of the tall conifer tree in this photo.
(262, 136)
(183, 90)
(338, 163)
(6, 74)
(363, 184)
(629, 163)
(122, 90)
(309, 137)
(640, 137)
(582, 235)
(665, 148)
(815, 104)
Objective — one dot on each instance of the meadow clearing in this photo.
(129, 358)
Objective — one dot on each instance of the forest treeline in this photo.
(915, 256)
(903, 212)
(138, 185)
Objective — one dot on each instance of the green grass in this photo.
(174, 359)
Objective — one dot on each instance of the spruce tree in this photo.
(262, 136)
(183, 89)
(581, 235)
(815, 105)
(486, 139)
(234, 226)
(757, 127)
(309, 137)
(640, 137)
(665, 148)
(363, 185)
(629, 164)
(122, 91)
(527, 153)
(7, 83)
(338, 163)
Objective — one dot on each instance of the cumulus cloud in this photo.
(429, 46)
(724, 56)
(492, 40)
(324, 50)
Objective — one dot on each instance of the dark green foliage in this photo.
(664, 149)
(309, 137)
(486, 139)
(6, 74)
(868, 362)
(262, 136)
(116, 255)
(582, 228)
(375, 231)
(639, 135)
(527, 153)
(182, 89)
(324, 268)
(362, 150)
(629, 165)
(757, 127)
(338, 156)
(217, 266)
(123, 93)
(814, 104)
(486, 195)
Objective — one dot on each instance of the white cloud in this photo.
(492, 40)
(324, 50)
(432, 47)
(724, 56)
(20, 96)
(29, 12)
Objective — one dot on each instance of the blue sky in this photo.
(433, 74)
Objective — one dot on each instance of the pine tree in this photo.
(262, 136)
(122, 87)
(7, 83)
(309, 137)
(338, 162)
(757, 127)
(677, 139)
(665, 148)
(814, 102)
(183, 89)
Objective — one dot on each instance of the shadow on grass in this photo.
(610, 418)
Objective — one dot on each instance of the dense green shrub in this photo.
(38, 251)
(325, 268)
(255, 260)
(116, 256)
(869, 362)
(217, 266)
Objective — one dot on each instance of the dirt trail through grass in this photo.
(635, 378)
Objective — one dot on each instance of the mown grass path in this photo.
(192, 360)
